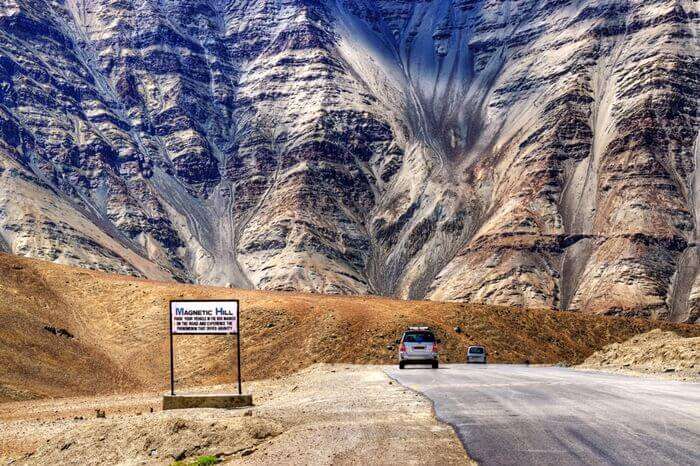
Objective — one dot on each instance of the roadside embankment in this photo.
(658, 353)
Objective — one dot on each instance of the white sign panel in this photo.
(204, 317)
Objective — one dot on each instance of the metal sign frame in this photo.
(170, 331)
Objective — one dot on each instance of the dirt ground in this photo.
(71, 332)
(657, 353)
(325, 414)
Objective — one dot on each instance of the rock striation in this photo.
(521, 152)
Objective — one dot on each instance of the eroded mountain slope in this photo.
(507, 152)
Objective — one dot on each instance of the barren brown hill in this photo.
(67, 331)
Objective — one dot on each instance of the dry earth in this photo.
(657, 353)
(325, 414)
(66, 331)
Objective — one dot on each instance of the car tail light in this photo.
(435, 347)
(402, 348)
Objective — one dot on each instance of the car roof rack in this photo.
(418, 328)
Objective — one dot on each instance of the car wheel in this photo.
(435, 365)
(401, 365)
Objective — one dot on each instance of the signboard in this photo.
(204, 317)
(207, 317)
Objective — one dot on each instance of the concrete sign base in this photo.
(224, 401)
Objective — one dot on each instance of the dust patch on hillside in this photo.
(658, 353)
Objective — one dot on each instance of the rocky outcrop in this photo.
(511, 152)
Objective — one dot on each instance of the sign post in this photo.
(205, 317)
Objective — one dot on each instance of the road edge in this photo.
(438, 419)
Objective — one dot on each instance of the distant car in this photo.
(476, 354)
(418, 345)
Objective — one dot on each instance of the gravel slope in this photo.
(659, 353)
(326, 414)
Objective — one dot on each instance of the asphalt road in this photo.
(514, 414)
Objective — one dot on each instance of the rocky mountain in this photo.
(527, 152)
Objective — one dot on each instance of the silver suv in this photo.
(476, 354)
(418, 345)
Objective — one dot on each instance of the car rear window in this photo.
(418, 337)
(477, 350)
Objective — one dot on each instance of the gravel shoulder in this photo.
(326, 414)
